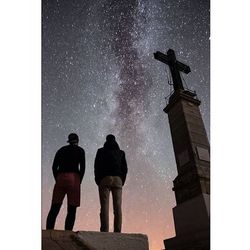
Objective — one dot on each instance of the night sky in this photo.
(99, 76)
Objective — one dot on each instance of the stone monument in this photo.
(192, 155)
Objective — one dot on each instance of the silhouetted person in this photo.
(68, 170)
(110, 175)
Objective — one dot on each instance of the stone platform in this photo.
(84, 240)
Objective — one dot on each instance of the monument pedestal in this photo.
(199, 240)
(192, 225)
(192, 215)
(192, 184)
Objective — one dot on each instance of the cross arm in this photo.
(161, 57)
(167, 60)
(183, 67)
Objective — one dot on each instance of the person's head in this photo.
(73, 138)
(110, 137)
(111, 142)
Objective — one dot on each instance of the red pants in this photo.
(67, 183)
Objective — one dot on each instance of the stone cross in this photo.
(175, 67)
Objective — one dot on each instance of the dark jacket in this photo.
(70, 158)
(110, 161)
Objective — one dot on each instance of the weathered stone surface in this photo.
(68, 240)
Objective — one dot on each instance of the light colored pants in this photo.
(113, 184)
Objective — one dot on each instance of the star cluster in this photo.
(99, 77)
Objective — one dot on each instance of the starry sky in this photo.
(99, 76)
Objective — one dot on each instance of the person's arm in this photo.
(82, 165)
(55, 165)
(97, 166)
(124, 168)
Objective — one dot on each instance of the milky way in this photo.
(99, 76)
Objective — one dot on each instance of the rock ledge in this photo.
(85, 240)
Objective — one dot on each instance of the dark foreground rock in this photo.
(84, 240)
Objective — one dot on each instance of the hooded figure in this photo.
(110, 175)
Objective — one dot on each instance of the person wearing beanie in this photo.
(110, 174)
(68, 170)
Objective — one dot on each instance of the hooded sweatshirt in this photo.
(110, 161)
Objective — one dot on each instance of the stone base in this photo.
(192, 215)
(82, 240)
(192, 225)
(193, 241)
